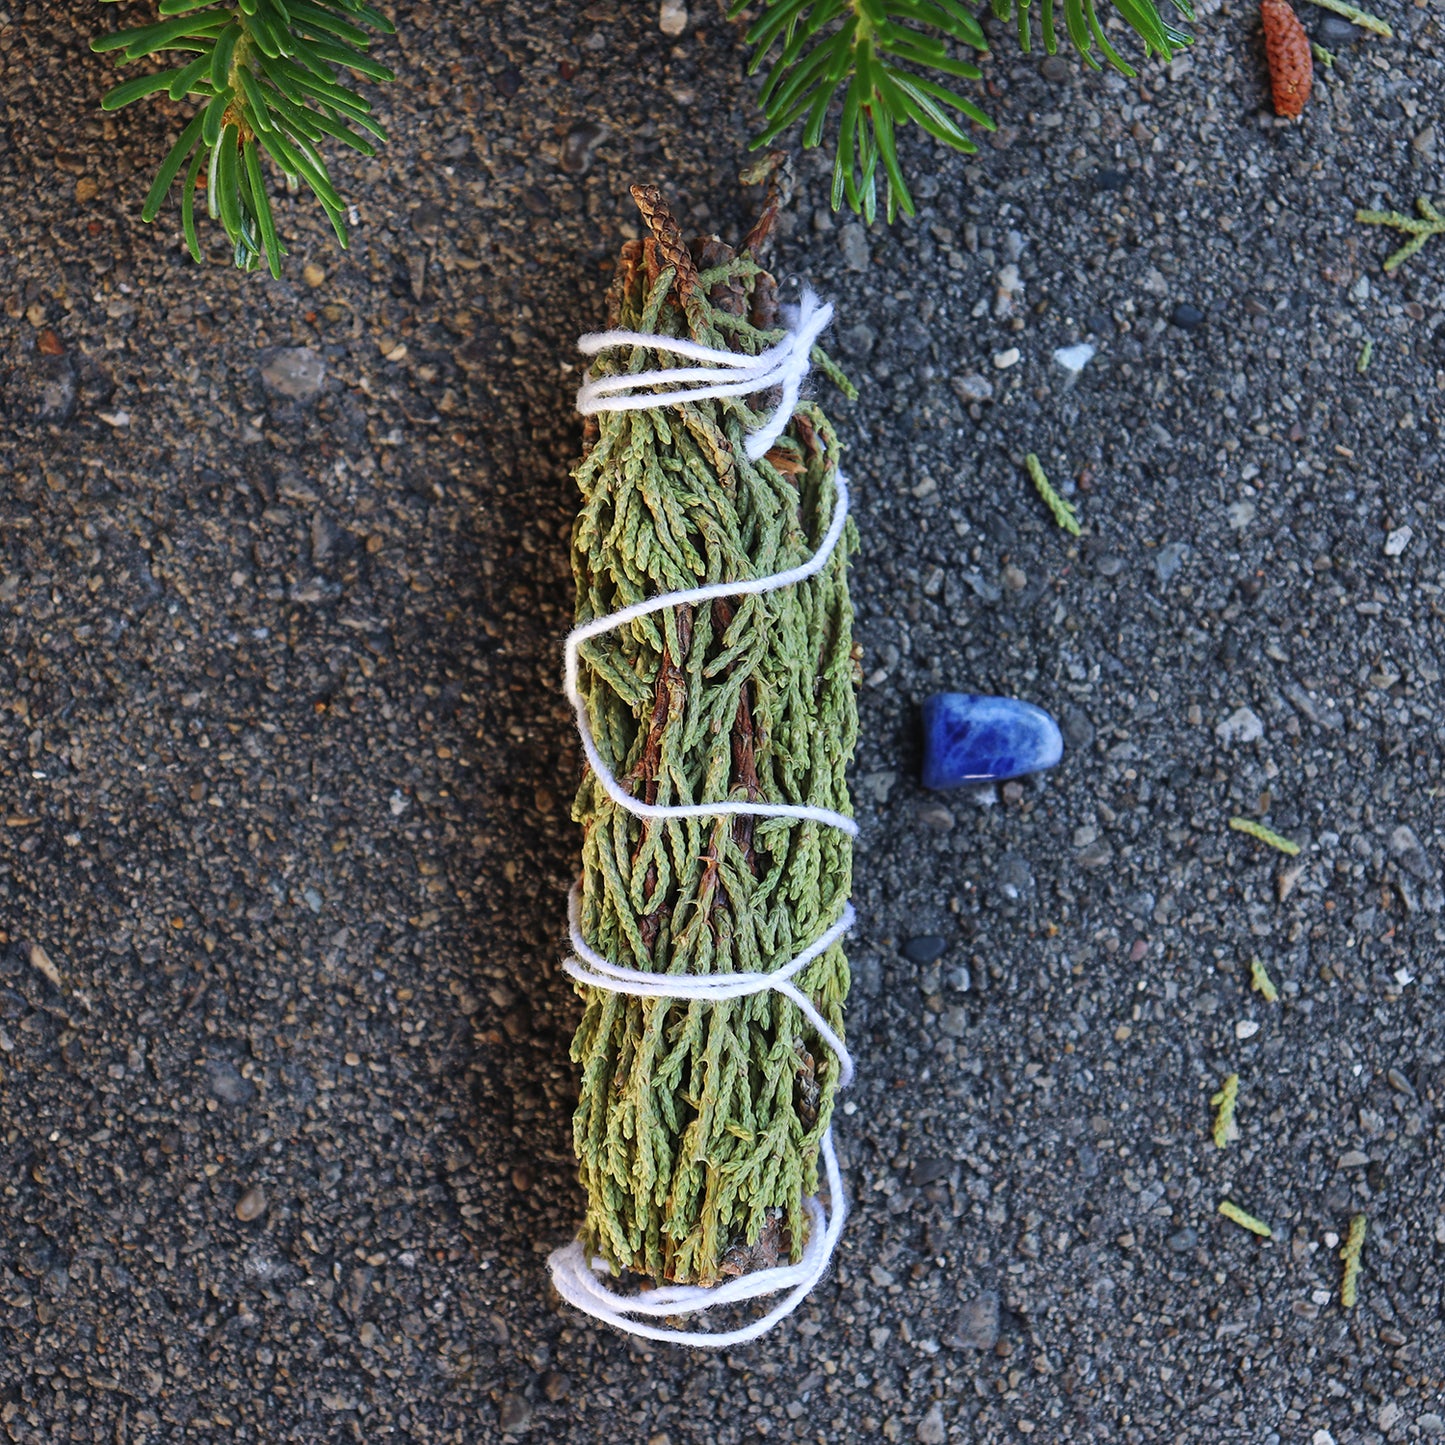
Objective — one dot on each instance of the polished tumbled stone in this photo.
(972, 739)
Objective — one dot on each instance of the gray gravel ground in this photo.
(284, 771)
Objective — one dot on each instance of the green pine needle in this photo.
(268, 74)
(1065, 513)
(890, 62)
(1430, 223)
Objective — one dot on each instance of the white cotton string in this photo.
(617, 979)
(579, 1285)
(693, 596)
(726, 374)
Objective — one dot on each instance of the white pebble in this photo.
(1005, 359)
(672, 17)
(1246, 1029)
(1074, 358)
(1243, 725)
(1398, 540)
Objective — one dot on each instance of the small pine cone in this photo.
(1287, 47)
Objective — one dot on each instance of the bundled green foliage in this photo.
(890, 59)
(699, 1123)
(269, 74)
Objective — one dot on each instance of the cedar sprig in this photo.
(1353, 1247)
(1230, 1210)
(1066, 514)
(1225, 1102)
(1265, 835)
(890, 61)
(269, 74)
(1261, 982)
(1430, 223)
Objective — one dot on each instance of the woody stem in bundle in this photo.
(699, 1121)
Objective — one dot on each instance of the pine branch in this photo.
(269, 74)
(885, 59)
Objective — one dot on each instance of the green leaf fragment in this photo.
(1265, 835)
(1224, 1101)
(1261, 983)
(1064, 511)
(1351, 1252)
(1232, 1211)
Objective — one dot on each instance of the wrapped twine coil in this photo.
(701, 1120)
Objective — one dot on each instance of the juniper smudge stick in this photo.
(699, 1122)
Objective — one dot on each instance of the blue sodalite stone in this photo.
(972, 739)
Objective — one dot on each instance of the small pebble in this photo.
(1110, 180)
(295, 373)
(672, 17)
(931, 1429)
(1185, 316)
(1246, 1029)
(976, 1326)
(925, 948)
(515, 1414)
(576, 154)
(1169, 559)
(853, 242)
(1184, 1240)
(1005, 359)
(251, 1205)
(1335, 30)
(1078, 730)
(972, 388)
(1406, 850)
(312, 274)
(1398, 540)
(1056, 70)
(1243, 725)
(1074, 359)
(936, 817)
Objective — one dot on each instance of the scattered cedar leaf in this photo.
(1350, 1283)
(1230, 1210)
(1265, 835)
(1224, 1101)
(1261, 982)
